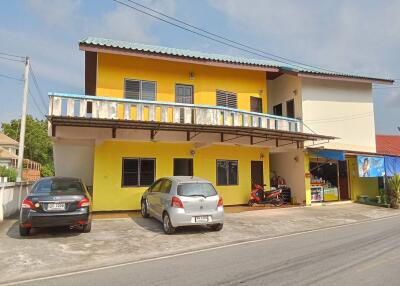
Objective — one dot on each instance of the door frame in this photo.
(184, 84)
(262, 172)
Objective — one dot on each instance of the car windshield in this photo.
(196, 189)
(69, 187)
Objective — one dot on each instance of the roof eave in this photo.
(159, 56)
(346, 78)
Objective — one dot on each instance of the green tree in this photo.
(37, 143)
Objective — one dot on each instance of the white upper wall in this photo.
(342, 109)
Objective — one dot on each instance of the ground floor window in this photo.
(138, 172)
(183, 167)
(227, 172)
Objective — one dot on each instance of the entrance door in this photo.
(343, 181)
(183, 94)
(255, 104)
(183, 167)
(257, 172)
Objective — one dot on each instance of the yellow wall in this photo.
(307, 178)
(113, 69)
(361, 186)
(109, 195)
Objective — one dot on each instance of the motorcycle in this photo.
(261, 197)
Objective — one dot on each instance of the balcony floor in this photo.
(255, 134)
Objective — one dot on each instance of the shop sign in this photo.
(371, 166)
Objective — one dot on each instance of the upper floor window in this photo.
(140, 89)
(226, 99)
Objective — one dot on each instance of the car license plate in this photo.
(56, 206)
(201, 218)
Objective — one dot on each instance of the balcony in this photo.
(115, 113)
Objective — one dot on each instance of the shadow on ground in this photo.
(154, 225)
(44, 233)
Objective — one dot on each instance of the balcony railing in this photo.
(82, 106)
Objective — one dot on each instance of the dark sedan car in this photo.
(56, 201)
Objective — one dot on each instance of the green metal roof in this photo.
(131, 46)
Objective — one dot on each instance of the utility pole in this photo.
(23, 122)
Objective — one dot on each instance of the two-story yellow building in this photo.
(150, 112)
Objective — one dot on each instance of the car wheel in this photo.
(167, 226)
(217, 227)
(143, 209)
(24, 231)
(87, 227)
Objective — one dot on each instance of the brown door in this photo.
(255, 104)
(343, 181)
(257, 172)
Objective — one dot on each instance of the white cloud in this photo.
(342, 35)
(56, 12)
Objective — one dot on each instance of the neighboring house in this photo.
(8, 151)
(388, 144)
(9, 159)
(153, 111)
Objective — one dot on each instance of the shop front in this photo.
(329, 176)
(345, 175)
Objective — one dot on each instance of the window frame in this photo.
(259, 99)
(227, 172)
(140, 88)
(226, 98)
(183, 85)
(139, 159)
(275, 106)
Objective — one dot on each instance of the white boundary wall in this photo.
(11, 197)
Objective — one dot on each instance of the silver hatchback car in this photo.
(183, 201)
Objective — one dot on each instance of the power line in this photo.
(10, 77)
(13, 60)
(209, 37)
(11, 55)
(227, 39)
(37, 87)
(340, 120)
(386, 87)
(341, 117)
(36, 104)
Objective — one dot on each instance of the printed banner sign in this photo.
(371, 166)
(392, 165)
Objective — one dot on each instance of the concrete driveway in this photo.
(118, 240)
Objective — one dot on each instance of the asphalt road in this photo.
(359, 254)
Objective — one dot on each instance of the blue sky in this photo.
(350, 36)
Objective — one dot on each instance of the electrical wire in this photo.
(209, 37)
(13, 60)
(341, 117)
(11, 55)
(36, 104)
(37, 87)
(275, 57)
(10, 77)
(340, 120)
